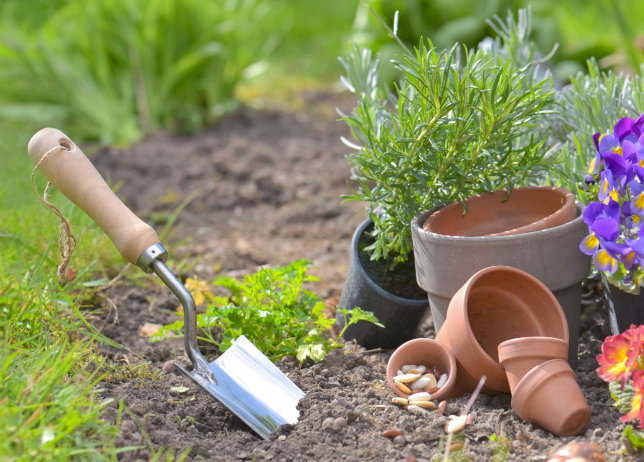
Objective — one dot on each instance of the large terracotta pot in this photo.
(495, 305)
(518, 356)
(444, 263)
(549, 396)
(425, 352)
(529, 208)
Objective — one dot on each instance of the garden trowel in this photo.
(242, 379)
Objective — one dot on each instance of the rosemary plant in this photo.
(454, 127)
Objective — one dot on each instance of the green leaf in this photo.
(180, 389)
(636, 437)
(623, 398)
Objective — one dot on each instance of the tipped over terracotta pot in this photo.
(550, 397)
(496, 304)
(518, 356)
(529, 208)
(428, 353)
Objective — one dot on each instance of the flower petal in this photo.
(606, 228)
(589, 245)
(591, 212)
(637, 204)
(623, 128)
(607, 143)
(604, 262)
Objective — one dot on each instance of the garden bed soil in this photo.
(270, 183)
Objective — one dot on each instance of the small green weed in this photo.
(272, 310)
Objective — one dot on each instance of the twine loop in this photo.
(66, 240)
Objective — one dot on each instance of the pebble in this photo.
(330, 425)
(423, 396)
(391, 433)
(456, 423)
(417, 410)
(422, 383)
(442, 381)
(442, 406)
(341, 422)
(403, 387)
(169, 367)
(407, 378)
(400, 440)
(470, 419)
(352, 416)
(423, 404)
(128, 426)
(401, 401)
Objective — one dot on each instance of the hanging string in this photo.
(66, 241)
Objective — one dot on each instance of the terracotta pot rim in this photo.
(418, 221)
(467, 330)
(507, 353)
(451, 377)
(561, 192)
(528, 383)
(420, 303)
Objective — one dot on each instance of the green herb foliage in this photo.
(462, 123)
(271, 309)
(623, 398)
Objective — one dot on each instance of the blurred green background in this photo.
(110, 71)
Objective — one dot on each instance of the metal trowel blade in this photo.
(252, 387)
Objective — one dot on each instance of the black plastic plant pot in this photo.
(400, 316)
(444, 263)
(624, 309)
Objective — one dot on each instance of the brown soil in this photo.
(269, 185)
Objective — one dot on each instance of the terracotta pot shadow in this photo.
(426, 352)
(550, 397)
(496, 304)
(529, 208)
(520, 355)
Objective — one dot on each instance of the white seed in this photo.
(406, 369)
(442, 381)
(417, 410)
(402, 401)
(421, 383)
(423, 404)
(407, 378)
(422, 369)
(399, 372)
(403, 387)
(415, 371)
(420, 397)
(413, 366)
(456, 423)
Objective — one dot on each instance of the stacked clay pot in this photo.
(538, 372)
(504, 315)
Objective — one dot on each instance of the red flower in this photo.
(637, 411)
(620, 353)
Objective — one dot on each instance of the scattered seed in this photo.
(423, 396)
(442, 381)
(436, 372)
(456, 423)
(423, 404)
(391, 433)
(431, 391)
(399, 372)
(422, 369)
(470, 419)
(441, 407)
(403, 387)
(415, 371)
(407, 378)
(422, 383)
(417, 390)
(417, 409)
(406, 369)
(455, 447)
(399, 401)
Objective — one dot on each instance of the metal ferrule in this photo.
(155, 252)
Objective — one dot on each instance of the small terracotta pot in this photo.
(549, 396)
(529, 208)
(496, 304)
(518, 356)
(426, 352)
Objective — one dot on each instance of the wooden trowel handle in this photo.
(71, 172)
